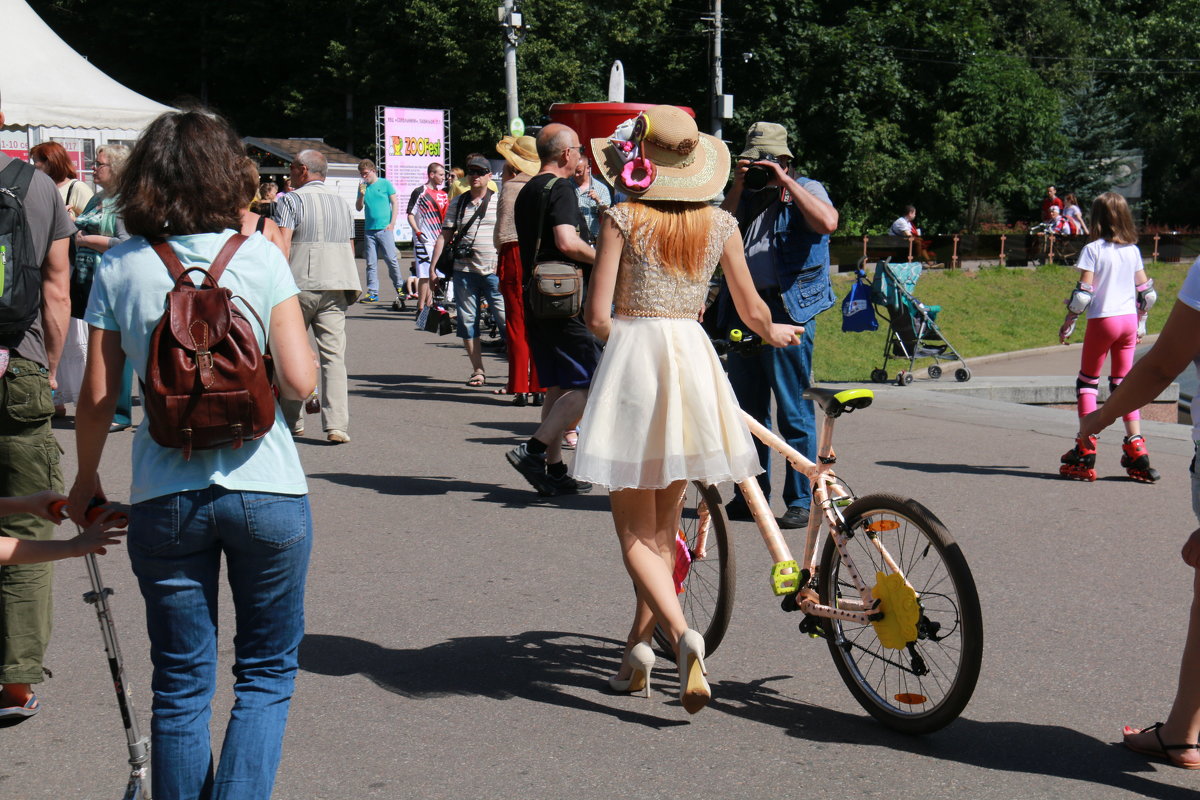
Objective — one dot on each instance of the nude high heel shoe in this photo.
(641, 658)
(694, 692)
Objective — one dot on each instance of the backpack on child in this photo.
(20, 272)
(208, 385)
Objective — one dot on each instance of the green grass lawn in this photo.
(994, 310)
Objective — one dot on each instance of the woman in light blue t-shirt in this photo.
(184, 179)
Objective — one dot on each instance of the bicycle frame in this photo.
(829, 494)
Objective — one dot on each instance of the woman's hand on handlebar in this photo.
(779, 335)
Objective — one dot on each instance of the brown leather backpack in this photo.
(207, 383)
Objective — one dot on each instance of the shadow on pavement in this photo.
(541, 666)
(413, 486)
(971, 469)
(423, 387)
(1020, 747)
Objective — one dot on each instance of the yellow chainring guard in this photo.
(901, 611)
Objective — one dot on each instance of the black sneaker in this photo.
(567, 485)
(794, 517)
(737, 510)
(532, 468)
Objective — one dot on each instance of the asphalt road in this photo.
(460, 631)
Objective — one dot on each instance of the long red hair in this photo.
(680, 234)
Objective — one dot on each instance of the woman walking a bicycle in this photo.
(661, 411)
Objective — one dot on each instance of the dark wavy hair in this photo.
(185, 175)
(58, 163)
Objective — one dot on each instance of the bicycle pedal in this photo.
(786, 578)
(811, 626)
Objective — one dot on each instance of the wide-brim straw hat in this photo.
(521, 153)
(689, 166)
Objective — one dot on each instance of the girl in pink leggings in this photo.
(1116, 295)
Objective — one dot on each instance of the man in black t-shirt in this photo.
(563, 350)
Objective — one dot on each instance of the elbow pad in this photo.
(1080, 299)
(1146, 296)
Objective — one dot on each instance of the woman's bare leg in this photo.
(646, 521)
(1182, 725)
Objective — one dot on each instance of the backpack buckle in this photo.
(204, 359)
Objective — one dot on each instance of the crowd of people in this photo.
(641, 218)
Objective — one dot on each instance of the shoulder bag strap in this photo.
(537, 247)
(481, 210)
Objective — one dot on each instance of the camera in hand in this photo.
(758, 176)
(462, 251)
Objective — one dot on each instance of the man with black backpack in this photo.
(35, 306)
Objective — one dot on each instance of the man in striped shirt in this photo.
(318, 234)
(469, 229)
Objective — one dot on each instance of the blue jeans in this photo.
(469, 289)
(381, 243)
(785, 372)
(175, 545)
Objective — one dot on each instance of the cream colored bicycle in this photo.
(890, 591)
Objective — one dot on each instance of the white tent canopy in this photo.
(43, 82)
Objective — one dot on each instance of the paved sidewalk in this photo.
(460, 631)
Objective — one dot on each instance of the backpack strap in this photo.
(17, 177)
(177, 270)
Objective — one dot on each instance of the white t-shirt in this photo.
(1189, 295)
(901, 227)
(1113, 267)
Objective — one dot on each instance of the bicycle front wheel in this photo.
(708, 580)
(926, 684)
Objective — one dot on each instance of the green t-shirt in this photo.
(377, 204)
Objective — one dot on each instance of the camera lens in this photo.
(757, 177)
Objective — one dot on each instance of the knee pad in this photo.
(1087, 384)
(1114, 382)
(1080, 298)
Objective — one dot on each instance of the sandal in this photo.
(570, 439)
(1164, 750)
(477, 379)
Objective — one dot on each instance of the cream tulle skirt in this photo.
(661, 410)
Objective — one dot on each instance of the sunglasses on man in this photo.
(477, 173)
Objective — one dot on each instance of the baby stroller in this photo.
(912, 326)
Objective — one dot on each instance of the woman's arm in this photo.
(1176, 347)
(604, 279)
(750, 306)
(93, 414)
(295, 363)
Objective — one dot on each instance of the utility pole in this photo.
(510, 22)
(722, 104)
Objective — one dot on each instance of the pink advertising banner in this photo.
(415, 137)
(15, 144)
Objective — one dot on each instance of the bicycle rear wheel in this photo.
(926, 684)
(708, 586)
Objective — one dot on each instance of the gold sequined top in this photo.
(645, 289)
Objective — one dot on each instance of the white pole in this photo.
(717, 71)
(510, 22)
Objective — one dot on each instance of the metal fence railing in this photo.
(955, 251)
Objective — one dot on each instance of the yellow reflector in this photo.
(910, 699)
(883, 525)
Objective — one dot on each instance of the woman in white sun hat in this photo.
(661, 411)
